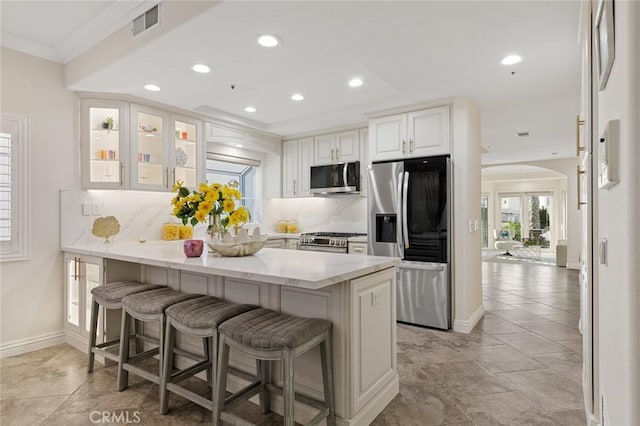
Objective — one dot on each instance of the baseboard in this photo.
(465, 326)
(18, 347)
(573, 265)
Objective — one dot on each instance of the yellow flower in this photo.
(177, 186)
(206, 206)
(200, 216)
(215, 187)
(233, 219)
(212, 196)
(228, 206)
(203, 187)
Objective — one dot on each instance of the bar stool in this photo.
(110, 296)
(199, 318)
(147, 306)
(267, 335)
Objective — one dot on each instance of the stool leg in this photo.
(165, 375)
(137, 342)
(123, 375)
(207, 355)
(161, 338)
(93, 331)
(221, 382)
(288, 388)
(327, 377)
(263, 374)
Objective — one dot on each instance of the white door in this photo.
(388, 137)
(347, 146)
(428, 132)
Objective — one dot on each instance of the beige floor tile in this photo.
(28, 411)
(567, 364)
(552, 330)
(573, 344)
(545, 388)
(530, 344)
(493, 325)
(500, 359)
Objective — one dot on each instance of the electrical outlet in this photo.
(96, 208)
(86, 208)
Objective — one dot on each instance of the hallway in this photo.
(522, 364)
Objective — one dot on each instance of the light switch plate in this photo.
(86, 208)
(608, 155)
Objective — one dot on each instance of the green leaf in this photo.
(184, 220)
(184, 192)
(194, 221)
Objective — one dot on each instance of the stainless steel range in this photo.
(332, 242)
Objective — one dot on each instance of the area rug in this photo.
(547, 259)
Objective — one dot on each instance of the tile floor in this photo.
(520, 366)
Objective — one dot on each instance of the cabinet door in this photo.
(277, 243)
(364, 161)
(305, 159)
(347, 146)
(72, 292)
(104, 144)
(428, 132)
(149, 149)
(358, 248)
(388, 137)
(82, 274)
(324, 149)
(187, 154)
(289, 168)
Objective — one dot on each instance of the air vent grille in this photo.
(146, 20)
(522, 134)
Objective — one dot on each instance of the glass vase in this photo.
(214, 229)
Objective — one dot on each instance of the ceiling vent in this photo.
(522, 134)
(145, 21)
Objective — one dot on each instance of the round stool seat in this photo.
(266, 329)
(205, 312)
(155, 301)
(114, 292)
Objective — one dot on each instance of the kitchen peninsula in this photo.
(356, 293)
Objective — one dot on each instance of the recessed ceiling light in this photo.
(554, 153)
(152, 87)
(297, 97)
(268, 40)
(250, 109)
(511, 60)
(201, 68)
(356, 82)
(239, 145)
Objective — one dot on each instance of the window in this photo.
(237, 172)
(13, 188)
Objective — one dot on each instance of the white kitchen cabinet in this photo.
(357, 248)
(276, 243)
(104, 146)
(340, 147)
(297, 156)
(187, 156)
(364, 161)
(149, 141)
(81, 274)
(414, 134)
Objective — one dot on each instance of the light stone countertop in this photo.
(276, 235)
(292, 268)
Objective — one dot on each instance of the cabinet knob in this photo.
(410, 145)
(331, 154)
(337, 154)
(404, 146)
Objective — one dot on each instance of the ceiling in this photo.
(406, 53)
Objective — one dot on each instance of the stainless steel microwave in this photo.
(341, 178)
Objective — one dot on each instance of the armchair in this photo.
(504, 241)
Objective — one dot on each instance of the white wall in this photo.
(31, 292)
(467, 269)
(617, 215)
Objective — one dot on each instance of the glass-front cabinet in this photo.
(82, 274)
(186, 152)
(104, 147)
(148, 147)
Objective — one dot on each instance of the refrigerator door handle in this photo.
(400, 222)
(405, 189)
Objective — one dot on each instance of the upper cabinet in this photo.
(134, 147)
(149, 141)
(340, 147)
(414, 134)
(104, 144)
(297, 158)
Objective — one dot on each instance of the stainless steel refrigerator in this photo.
(409, 217)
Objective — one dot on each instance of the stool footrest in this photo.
(142, 373)
(320, 405)
(190, 371)
(111, 342)
(105, 353)
(144, 355)
(186, 354)
(242, 395)
(234, 420)
(193, 397)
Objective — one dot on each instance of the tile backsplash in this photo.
(141, 214)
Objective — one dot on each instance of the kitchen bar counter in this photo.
(292, 268)
(356, 293)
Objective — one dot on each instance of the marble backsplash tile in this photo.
(141, 214)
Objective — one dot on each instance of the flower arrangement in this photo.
(209, 200)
